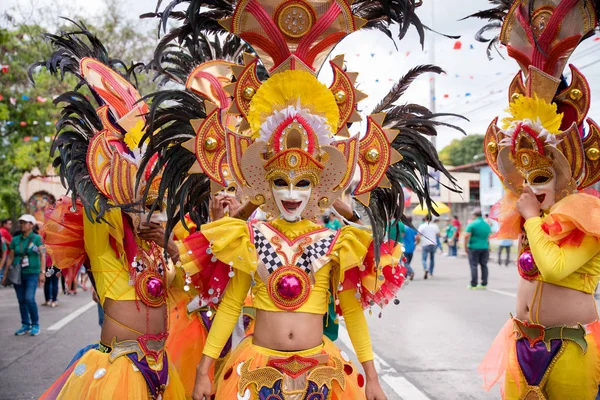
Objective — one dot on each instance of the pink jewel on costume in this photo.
(526, 262)
(155, 287)
(289, 287)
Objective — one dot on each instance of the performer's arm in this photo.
(557, 262)
(361, 341)
(9, 259)
(225, 320)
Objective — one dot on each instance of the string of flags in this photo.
(14, 100)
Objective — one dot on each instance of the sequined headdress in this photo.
(101, 126)
(280, 120)
(546, 134)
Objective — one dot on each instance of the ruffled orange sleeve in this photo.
(358, 284)
(220, 260)
(63, 234)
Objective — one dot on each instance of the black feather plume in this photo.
(169, 128)
(419, 156)
(79, 121)
(495, 17)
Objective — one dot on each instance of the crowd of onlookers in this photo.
(25, 265)
(475, 239)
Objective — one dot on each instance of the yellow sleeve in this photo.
(350, 249)
(356, 322)
(230, 243)
(227, 315)
(555, 262)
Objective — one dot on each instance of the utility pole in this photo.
(432, 96)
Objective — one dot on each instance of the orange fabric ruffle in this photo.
(508, 218)
(569, 220)
(63, 234)
(185, 343)
(497, 362)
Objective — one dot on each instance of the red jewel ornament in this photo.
(289, 287)
(155, 287)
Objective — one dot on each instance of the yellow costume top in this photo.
(111, 274)
(565, 243)
(290, 267)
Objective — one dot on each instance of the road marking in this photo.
(60, 324)
(502, 292)
(400, 385)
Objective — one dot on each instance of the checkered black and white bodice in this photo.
(288, 267)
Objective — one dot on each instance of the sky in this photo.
(472, 86)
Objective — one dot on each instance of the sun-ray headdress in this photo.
(99, 139)
(284, 122)
(545, 135)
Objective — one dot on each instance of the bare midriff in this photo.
(288, 331)
(551, 305)
(132, 320)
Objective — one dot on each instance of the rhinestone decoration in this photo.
(80, 369)
(99, 373)
(295, 19)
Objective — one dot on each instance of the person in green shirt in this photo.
(332, 222)
(452, 239)
(477, 247)
(28, 251)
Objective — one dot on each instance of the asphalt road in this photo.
(427, 348)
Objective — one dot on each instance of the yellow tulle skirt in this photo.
(319, 373)
(570, 374)
(94, 377)
(187, 335)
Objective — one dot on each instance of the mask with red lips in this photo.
(291, 198)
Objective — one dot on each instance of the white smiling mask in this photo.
(291, 198)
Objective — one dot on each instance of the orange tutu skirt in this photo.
(94, 377)
(187, 335)
(319, 373)
(570, 374)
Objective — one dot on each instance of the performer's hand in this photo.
(373, 390)
(232, 204)
(217, 207)
(528, 204)
(202, 387)
(152, 232)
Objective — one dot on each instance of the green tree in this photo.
(27, 113)
(463, 151)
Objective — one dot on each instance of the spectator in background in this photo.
(410, 243)
(488, 220)
(5, 229)
(477, 247)
(3, 257)
(28, 252)
(51, 283)
(456, 223)
(505, 244)
(451, 239)
(429, 234)
(332, 222)
(6, 238)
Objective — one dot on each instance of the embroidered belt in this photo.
(538, 348)
(154, 370)
(293, 378)
(538, 333)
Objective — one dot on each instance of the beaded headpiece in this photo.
(282, 122)
(545, 135)
(99, 138)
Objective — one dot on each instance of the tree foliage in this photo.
(463, 151)
(27, 113)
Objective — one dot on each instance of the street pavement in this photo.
(427, 348)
